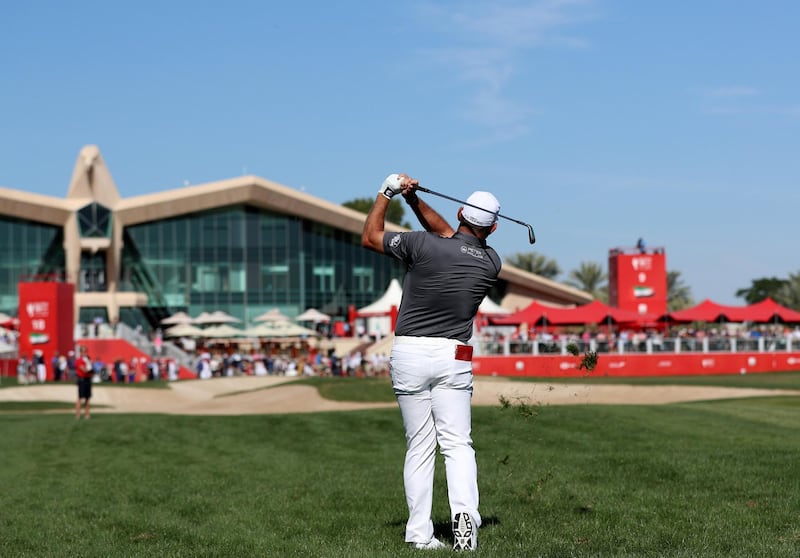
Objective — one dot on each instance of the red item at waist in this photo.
(464, 352)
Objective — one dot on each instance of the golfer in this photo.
(449, 274)
(85, 374)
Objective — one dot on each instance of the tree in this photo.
(590, 277)
(679, 296)
(394, 213)
(765, 287)
(535, 263)
(789, 295)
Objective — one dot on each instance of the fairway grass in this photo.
(712, 479)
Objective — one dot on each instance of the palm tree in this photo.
(679, 295)
(789, 294)
(535, 263)
(590, 277)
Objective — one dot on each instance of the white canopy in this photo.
(383, 306)
(489, 307)
(313, 315)
(394, 295)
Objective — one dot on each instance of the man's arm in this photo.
(428, 217)
(372, 235)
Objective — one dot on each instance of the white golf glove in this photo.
(391, 186)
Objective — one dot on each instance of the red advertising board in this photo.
(46, 320)
(637, 282)
(615, 365)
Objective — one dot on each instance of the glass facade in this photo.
(28, 250)
(245, 261)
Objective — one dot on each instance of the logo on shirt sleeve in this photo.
(394, 241)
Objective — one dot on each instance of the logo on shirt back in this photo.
(474, 252)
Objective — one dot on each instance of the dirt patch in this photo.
(249, 395)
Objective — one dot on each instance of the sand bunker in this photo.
(249, 395)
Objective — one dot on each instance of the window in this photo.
(94, 221)
(363, 278)
(324, 278)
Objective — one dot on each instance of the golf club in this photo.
(531, 236)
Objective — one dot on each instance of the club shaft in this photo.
(531, 236)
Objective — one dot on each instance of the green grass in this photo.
(712, 479)
(34, 406)
(11, 381)
(361, 390)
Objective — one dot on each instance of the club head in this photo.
(531, 236)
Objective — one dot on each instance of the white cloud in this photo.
(485, 41)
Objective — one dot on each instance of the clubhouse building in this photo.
(243, 246)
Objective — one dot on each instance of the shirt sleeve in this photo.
(395, 244)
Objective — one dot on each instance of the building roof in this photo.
(92, 182)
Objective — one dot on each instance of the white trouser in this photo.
(434, 391)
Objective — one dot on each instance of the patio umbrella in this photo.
(184, 330)
(203, 318)
(313, 315)
(223, 331)
(178, 318)
(280, 330)
(273, 315)
(217, 317)
(224, 318)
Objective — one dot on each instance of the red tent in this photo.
(593, 313)
(706, 311)
(531, 314)
(766, 311)
(597, 312)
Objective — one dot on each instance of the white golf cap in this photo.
(484, 217)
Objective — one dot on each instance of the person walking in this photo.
(449, 274)
(85, 374)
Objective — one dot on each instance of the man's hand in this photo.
(391, 186)
(398, 184)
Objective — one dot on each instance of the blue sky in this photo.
(598, 121)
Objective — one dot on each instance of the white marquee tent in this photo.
(377, 316)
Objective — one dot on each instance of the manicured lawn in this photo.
(715, 479)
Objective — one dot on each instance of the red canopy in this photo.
(593, 313)
(531, 314)
(766, 311)
(706, 311)
(763, 312)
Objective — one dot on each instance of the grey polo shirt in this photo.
(447, 280)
